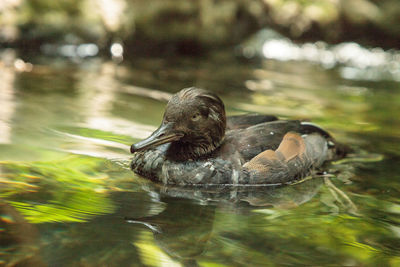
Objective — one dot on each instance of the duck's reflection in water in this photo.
(184, 227)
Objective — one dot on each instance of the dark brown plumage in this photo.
(197, 144)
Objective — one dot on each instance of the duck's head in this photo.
(194, 123)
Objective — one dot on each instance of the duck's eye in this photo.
(196, 116)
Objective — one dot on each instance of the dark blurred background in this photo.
(169, 27)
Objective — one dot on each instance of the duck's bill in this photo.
(162, 135)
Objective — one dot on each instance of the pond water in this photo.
(68, 197)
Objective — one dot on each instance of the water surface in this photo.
(68, 197)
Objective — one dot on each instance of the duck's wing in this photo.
(245, 121)
(253, 140)
(295, 158)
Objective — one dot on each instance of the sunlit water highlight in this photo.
(354, 61)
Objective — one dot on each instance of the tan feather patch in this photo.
(261, 161)
(292, 145)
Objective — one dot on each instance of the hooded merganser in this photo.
(197, 144)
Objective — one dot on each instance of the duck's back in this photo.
(248, 120)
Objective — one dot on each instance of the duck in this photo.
(197, 144)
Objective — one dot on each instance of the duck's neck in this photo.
(183, 151)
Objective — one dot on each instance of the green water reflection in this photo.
(69, 198)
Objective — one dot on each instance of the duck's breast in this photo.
(154, 165)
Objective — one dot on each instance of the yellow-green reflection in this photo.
(72, 189)
(151, 254)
